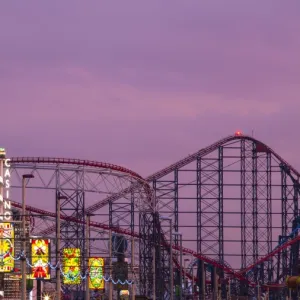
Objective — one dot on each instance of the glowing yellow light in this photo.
(96, 268)
(6, 247)
(46, 297)
(71, 265)
(40, 259)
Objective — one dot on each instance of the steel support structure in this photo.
(79, 183)
(147, 235)
(284, 221)
(209, 178)
(153, 238)
(234, 180)
(233, 202)
(73, 234)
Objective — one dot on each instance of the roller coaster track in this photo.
(271, 254)
(227, 269)
(41, 212)
(185, 161)
(157, 175)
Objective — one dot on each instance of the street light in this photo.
(132, 266)
(110, 295)
(58, 239)
(180, 273)
(171, 257)
(87, 244)
(23, 289)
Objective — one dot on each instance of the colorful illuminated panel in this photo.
(71, 265)
(96, 267)
(6, 247)
(40, 258)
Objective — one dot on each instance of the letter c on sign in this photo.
(7, 163)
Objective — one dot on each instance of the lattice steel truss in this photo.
(232, 201)
(235, 202)
(78, 184)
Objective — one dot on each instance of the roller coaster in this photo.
(235, 204)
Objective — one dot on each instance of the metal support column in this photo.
(23, 262)
(58, 282)
(176, 208)
(87, 251)
(171, 263)
(221, 213)
(255, 207)
(133, 268)
(110, 267)
(39, 289)
(215, 283)
(199, 223)
(154, 273)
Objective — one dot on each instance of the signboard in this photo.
(40, 258)
(6, 247)
(71, 266)
(96, 270)
(5, 204)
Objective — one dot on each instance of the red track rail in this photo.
(271, 254)
(83, 163)
(157, 175)
(183, 162)
(77, 162)
(134, 234)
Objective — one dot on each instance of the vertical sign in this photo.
(71, 266)
(40, 259)
(96, 268)
(5, 204)
(6, 229)
(6, 247)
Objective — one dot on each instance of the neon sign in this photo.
(6, 247)
(96, 267)
(6, 214)
(71, 266)
(40, 258)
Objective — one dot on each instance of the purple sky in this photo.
(144, 83)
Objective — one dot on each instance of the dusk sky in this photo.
(144, 83)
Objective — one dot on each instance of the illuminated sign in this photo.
(71, 266)
(5, 183)
(40, 258)
(96, 268)
(6, 247)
